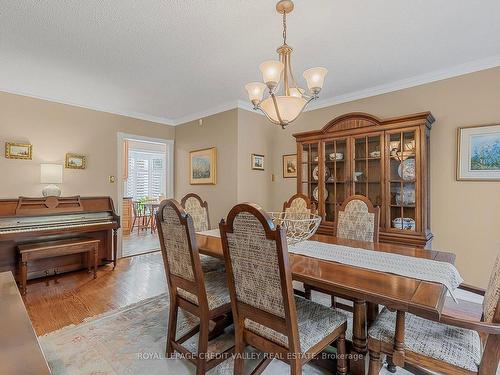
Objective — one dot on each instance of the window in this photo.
(146, 174)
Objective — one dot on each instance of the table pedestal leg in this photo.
(359, 342)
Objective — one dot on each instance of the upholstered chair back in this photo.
(492, 294)
(299, 205)
(256, 257)
(357, 219)
(178, 242)
(198, 210)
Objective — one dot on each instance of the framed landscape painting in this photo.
(76, 161)
(478, 156)
(18, 151)
(203, 166)
(290, 166)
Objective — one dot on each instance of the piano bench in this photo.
(51, 249)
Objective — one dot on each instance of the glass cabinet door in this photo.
(402, 180)
(309, 169)
(336, 176)
(367, 171)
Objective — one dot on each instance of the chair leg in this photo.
(341, 355)
(295, 367)
(391, 367)
(239, 349)
(201, 365)
(307, 292)
(172, 328)
(333, 303)
(375, 365)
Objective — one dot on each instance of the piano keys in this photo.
(27, 220)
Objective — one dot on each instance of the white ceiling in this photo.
(175, 60)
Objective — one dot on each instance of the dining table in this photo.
(366, 288)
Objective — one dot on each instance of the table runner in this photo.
(403, 265)
(417, 268)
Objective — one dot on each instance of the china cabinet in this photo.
(384, 160)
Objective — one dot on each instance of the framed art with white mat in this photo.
(478, 153)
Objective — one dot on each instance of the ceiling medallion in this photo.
(286, 99)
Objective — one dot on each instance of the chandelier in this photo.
(286, 99)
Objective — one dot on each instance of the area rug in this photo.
(132, 340)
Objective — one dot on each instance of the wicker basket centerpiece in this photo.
(299, 226)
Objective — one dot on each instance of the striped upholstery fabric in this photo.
(198, 213)
(217, 291)
(457, 346)
(492, 293)
(315, 322)
(176, 245)
(355, 222)
(254, 260)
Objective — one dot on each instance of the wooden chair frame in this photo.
(310, 205)
(287, 326)
(490, 333)
(203, 204)
(196, 287)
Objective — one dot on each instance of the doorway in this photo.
(147, 179)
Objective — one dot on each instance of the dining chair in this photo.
(357, 219)
(299, 203)
(141, 216)
(204, 295)
(267, 315)
(451, 346)
(197, 208)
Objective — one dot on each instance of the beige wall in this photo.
(465, 216)
(218, 131)
(255, 136)
(55, 129)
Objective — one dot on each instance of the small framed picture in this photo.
(18, 151)
(75, 161)
(290, 166)
(478, 153)
(258, 162)
(203, 166)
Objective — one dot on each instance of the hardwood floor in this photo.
(140, 243)
(54, 303)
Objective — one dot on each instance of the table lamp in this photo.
(51, 174)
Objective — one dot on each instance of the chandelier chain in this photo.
(284, 27)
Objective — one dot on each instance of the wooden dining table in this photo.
(364, 287)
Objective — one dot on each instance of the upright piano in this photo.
(27, 220)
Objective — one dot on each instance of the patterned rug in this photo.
(132, 340)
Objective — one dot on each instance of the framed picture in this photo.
(75, 161)
(258, 162)
(290, 166)
(478, 153)
(203, 166)
(18, 151)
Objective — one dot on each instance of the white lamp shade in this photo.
(255, 91)
(315, 78)
(271, 72)
(290, 108)
(51, 173)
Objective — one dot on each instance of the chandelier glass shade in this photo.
(286, 100)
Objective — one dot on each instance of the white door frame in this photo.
(121, 137)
